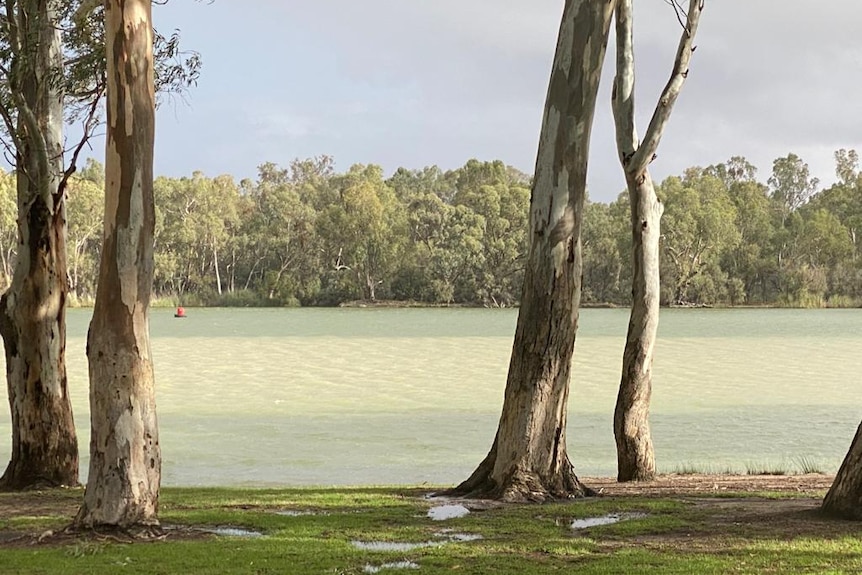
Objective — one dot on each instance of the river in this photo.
(393, 396)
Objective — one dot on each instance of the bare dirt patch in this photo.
(736, 508)
(814, 485)
(40, 503)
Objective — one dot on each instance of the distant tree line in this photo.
(307, 235)
(730, 239)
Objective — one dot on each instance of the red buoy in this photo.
(181, 312)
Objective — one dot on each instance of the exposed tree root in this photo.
(119, 534)
(521, 485)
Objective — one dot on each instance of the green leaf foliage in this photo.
(310, 235)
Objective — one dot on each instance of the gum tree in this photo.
(528, 459)
(844, 498)
(52, 67)
(125, 457)
(32, 310)
(635, 455)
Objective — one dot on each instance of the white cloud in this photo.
(410, 83)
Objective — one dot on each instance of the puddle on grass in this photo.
(393, 545)
(453, 537)
(608, 519)
(232, 532)
(444, 512)
(294, 513)
(8, 537)
(385, 566)
(445, 537)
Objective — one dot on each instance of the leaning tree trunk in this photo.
(844, 498)
(125, 458)
(528, 459)
(635, 453)
(33, 310)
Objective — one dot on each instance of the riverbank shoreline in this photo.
(173, 302)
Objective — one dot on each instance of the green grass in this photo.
(675, 536)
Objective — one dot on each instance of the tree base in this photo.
(636, 478)
(521, 486)
(131, 534)
(16, 480)
(844, 498)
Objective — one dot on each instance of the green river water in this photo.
(392, 396)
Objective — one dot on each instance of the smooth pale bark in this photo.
(844, 498)
(125, 458)
(528, 459)
(33, 310)
(215, 265)
(635, 452)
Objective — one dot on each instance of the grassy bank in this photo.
(697, 527)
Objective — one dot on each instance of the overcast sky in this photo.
(421, 82)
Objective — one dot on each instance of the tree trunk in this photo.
(371, 285)
(844, 498)
(528, 459)
(215, 265)
(125, 458)
(33, 310)
(635, 454)
(6, 268)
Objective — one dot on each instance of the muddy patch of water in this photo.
(394, 545)
(297, 513)
(224, 531)
(10, 536)
(609, 519)
(444, 512)
(442, 538)
(387, 566)
(452, 536)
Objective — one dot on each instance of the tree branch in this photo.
(90, 124)
(623, 96)
(14, 35)
(681, 14)
(644, 155)
(9, 122)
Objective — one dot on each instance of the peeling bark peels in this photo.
(125, 457)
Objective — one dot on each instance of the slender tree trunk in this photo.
(844, 498)
(371, 285)
(125, 457)
(6, 267)
(635, 453)
(232, 280)
(251, 273)
(215, 265)
(528, 459)
(33, 310)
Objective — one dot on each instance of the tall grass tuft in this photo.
(808, 465)
(689, 468)
(755, 468)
